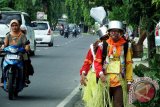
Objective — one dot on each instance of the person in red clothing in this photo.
(88, 62)
(117, 66)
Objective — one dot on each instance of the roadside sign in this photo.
(40, 15)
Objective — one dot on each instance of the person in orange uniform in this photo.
(87, 72)
(117, 65)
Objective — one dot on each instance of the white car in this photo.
(43, 33)
(7, 16)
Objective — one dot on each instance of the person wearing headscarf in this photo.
(16, 37)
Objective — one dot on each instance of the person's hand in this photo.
(27, 48)
(103, 78)
(1, 48)
(128, 86)
(83, 80)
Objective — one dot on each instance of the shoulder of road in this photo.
(77, 99)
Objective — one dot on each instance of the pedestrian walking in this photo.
(115, 72)
(87, 72)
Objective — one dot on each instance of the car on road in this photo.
(43, 33)
(24, 18)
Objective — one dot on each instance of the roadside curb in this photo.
(76, 101)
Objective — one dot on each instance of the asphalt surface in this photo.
(56, 74)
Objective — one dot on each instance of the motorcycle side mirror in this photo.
(99, 14)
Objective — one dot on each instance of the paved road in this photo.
(56, 73)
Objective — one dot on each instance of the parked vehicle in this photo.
(13, 71)
(43, 33)
(24, 18)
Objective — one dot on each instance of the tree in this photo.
(53, 8)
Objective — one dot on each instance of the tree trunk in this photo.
(143, 35)
(151, 44)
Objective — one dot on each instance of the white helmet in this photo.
(23, 27)
(102, 31)
(115, 25)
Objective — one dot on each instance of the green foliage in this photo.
(7, 9)
(156, 2)
(118, 13)
(79, 11)
(20, 5)
(33, 2)
(53, 8)
(3, 3)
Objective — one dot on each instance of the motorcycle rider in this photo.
(16, 37)
(28, 65)
(61, 29)
(66, 31)
(74, 31)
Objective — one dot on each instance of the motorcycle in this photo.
(66, 33)
(74, 32)
(61, 30)
(13, 70)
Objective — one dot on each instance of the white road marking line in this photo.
(69, 97)
(37, 50)
(45, 48)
